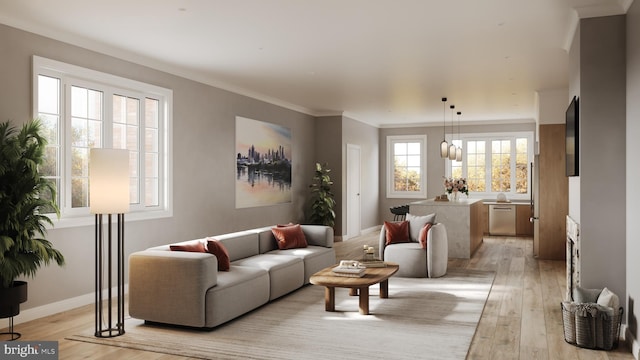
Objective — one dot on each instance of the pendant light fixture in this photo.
(459, 148)
(452, 147)
(444, 146)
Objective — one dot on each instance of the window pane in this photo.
(151, 165)
(151, 140)
(400, 149)
(79, 192)
(151, 196)
(49, 114)
(475, 166)
(79, 102)
(48, 95)
(407, 161)
(522, 166)
(501, 166)
(151, 113)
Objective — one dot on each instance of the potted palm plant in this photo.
(322, 201)
(25, 197)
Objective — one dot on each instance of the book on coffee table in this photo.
(373, 263)
(349, 268)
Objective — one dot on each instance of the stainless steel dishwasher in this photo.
(502, 219)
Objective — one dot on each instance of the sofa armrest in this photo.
(318, 235)
(437, 251)
(382, 242)
(170, 286)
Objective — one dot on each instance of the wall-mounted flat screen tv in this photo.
(571, 138)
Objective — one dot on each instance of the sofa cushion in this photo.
(216, 248)
(411, 257)
(416, 223)
(289, 237)
(424, 234)
(315, 258)
(397, 232)
(286, 272)
(238, 291)
(240, 244)
(196, 246)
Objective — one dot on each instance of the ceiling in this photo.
(383, 62)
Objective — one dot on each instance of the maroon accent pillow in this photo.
(397, 232)
(216, 248)
(423, 234)
(191, 247)
(289, 237)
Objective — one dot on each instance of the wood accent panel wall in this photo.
(553, 201)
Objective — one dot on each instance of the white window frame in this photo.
(391, 192)
(488, 137)
(76, 75)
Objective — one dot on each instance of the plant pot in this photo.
(11, 298)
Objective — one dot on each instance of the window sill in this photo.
(87, 220)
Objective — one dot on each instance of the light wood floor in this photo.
(521, 319)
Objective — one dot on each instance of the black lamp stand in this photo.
(110, 328)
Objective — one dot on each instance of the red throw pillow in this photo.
(191, 247)
(397, 232)
(289, 237)
(423, 234)
(216, 248)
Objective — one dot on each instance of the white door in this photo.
(353, 191)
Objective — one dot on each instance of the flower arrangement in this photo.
(455, 185)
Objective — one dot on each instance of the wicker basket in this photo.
(585, 325)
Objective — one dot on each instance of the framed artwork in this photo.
(263, 163)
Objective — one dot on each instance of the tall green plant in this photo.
(24, 196)
(322, 201)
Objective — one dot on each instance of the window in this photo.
(406, 166)
(81, 109)
(495, 163)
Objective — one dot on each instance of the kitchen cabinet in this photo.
(524, 227)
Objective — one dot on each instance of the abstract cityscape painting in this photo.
(263, 163)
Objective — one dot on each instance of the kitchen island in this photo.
(463, 220)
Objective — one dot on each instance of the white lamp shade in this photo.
(108, 181)
(444, 149)
(452, 152)
(458, 154)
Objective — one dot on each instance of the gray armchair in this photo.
(415, 261)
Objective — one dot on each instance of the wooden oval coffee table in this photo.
(356, 285)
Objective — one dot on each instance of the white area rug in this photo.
(421, 319)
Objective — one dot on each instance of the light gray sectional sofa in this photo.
(186, 288)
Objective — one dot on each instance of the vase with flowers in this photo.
(453, 186)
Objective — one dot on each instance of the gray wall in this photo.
(602, 199)
(328, 146)
(333, 133)
(366, 137)
(435, 164)
(203, 152)
(633, 170)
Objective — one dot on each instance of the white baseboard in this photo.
(634, 345)
(58, 307)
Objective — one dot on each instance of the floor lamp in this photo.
(109, 194)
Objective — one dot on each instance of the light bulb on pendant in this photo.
(452, 147)
(444, 146)
(459, 148)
